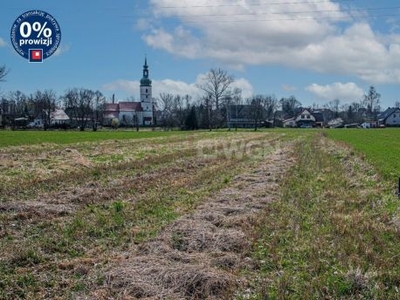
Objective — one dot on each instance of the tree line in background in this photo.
(83, 106)
(214, 109)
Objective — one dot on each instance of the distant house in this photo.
(57, 117)
(305, 117)
(319, 119)
(323, 116)
(291, 122)
(390, 117)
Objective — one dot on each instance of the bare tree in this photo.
(166, 102)
(371, 101)
(235, 98)
(216, 87)
(216, 84)
(45, 104)
(357, 109)
(19, 101)
(80, 104)
(333, 106)
(289, 106)
(181, 108)
(166, 106)
(348, 111)
(270, 105)
(257, 111)
(397, 104)
(206, 106)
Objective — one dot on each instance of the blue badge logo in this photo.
(35, 35)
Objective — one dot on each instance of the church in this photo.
(133, 113)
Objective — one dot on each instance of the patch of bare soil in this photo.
(199, 255)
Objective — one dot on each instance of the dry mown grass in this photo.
(199, 255)
(52, 167)
(63, 226)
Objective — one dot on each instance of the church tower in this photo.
(146, 98)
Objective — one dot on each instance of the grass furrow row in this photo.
(57, 257)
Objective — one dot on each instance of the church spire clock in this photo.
(146, 98)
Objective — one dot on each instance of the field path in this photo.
(199, 255)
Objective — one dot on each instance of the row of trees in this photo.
(83, 106)
(218, 95)
(211, 110)
(367, 108)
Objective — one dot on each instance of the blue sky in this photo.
(316, 50)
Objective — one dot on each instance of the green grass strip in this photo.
(380, 146)
(18, 138)
(327, 237)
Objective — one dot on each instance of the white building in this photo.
(390, 117)
(146, 98)
(134, 113)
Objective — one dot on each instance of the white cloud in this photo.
(175, 87)
(245, 86)
(347, 92)
(181, 38)
(307, 35)
(2, 43)
(143, 24)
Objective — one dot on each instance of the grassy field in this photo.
(28, 137)
(334, 234)
(277, 214)
(380, 147)
(67, 211)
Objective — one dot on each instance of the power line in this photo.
(254, 4)
(350, 13)
(356, 10)
(295, 19)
